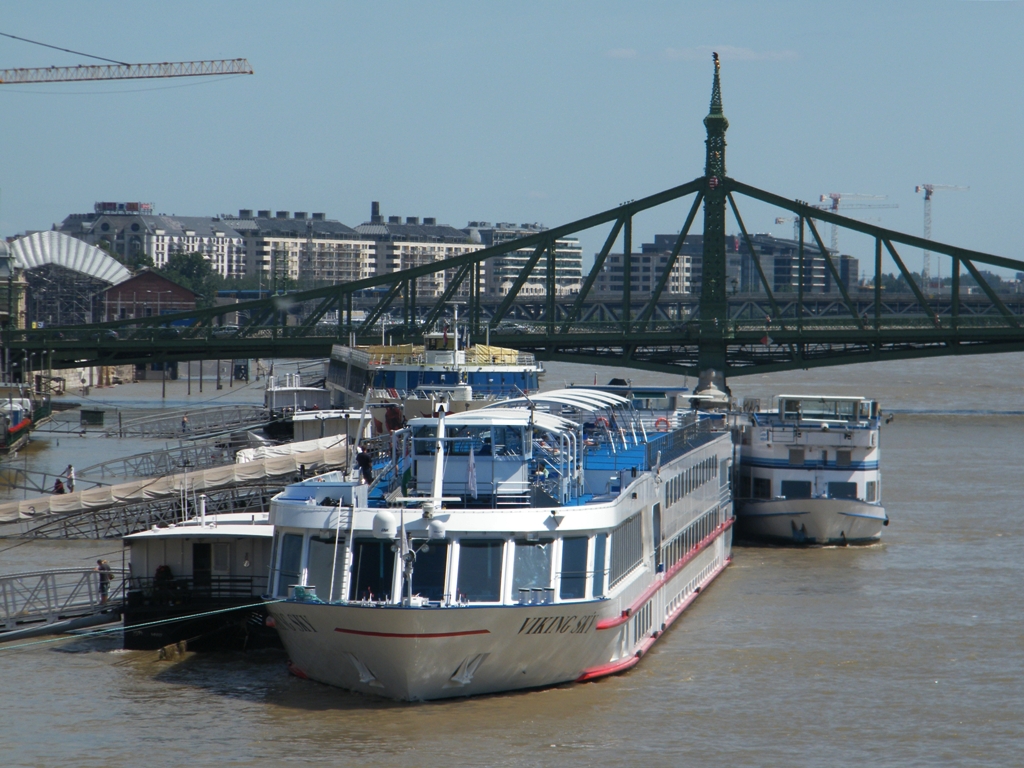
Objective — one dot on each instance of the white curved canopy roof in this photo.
(503, 416)
(41, 248)
(576, 397)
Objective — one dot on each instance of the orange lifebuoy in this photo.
(601, 421)
(662, 424)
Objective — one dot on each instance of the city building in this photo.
(414, 243)
(287, 248)
(130, 230)
(779, 260)
(502, 271)
(145, 294)
(648, 266)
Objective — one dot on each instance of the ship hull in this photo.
(810, 521)
(423, 653)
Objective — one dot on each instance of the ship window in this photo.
(796, 489)
(425, 440)
(872, 491)
(480, 570)
(221, 553)
(574, 568)
(843, 458)
(744, 486)
(532, 565)
(599, 547)
(291, 559)
(373, 570)
(762, 488)
(842, 490)
(627, 549)
(428, 573)
(318, 566)
(796, 457)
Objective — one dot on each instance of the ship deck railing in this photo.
(150, 590)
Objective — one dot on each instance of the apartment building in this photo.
(502, 271)
(303, 247)
(129, 230)
(401, 245)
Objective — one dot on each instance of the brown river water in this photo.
(909, 652)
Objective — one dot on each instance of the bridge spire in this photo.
(714, 312)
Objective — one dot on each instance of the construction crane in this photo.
(85, 72)
(833, 200)
(929, 190)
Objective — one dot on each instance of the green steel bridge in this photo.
(714, 335)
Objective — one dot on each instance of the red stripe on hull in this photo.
(623, 664)
(608, 669)
(413, 635)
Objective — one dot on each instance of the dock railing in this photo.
(49, 596)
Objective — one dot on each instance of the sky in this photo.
(525, 112)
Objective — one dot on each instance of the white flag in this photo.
(471, 473)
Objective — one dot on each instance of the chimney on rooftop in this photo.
(319, 216)
(375, 217)
(264, 214)
(412, 219)
(299, 214)
(282, 215)
(245, 213)
(429, 221)
(394, 219)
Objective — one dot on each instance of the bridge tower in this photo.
(714, 311)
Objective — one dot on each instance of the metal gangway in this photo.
(191, 423)
(17, 476)
(57, 600)
(184, 458)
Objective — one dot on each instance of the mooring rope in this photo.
(122, 628)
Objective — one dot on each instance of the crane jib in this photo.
(125, 71)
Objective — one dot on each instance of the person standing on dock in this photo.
(184, 424)
(70, 474)
(106, 576)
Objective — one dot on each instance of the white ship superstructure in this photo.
(809, 472)
(501, 548)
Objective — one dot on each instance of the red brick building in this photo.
(147, 294)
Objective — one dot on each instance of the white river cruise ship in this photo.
(548, 540)
(809, 471)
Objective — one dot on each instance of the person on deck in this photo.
(58, 486)
(106, 576)
(365, 464)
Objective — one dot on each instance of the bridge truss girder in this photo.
(658, 332)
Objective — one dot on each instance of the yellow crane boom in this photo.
(124, 71)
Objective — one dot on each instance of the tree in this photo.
(138, 259)
(194, 272)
